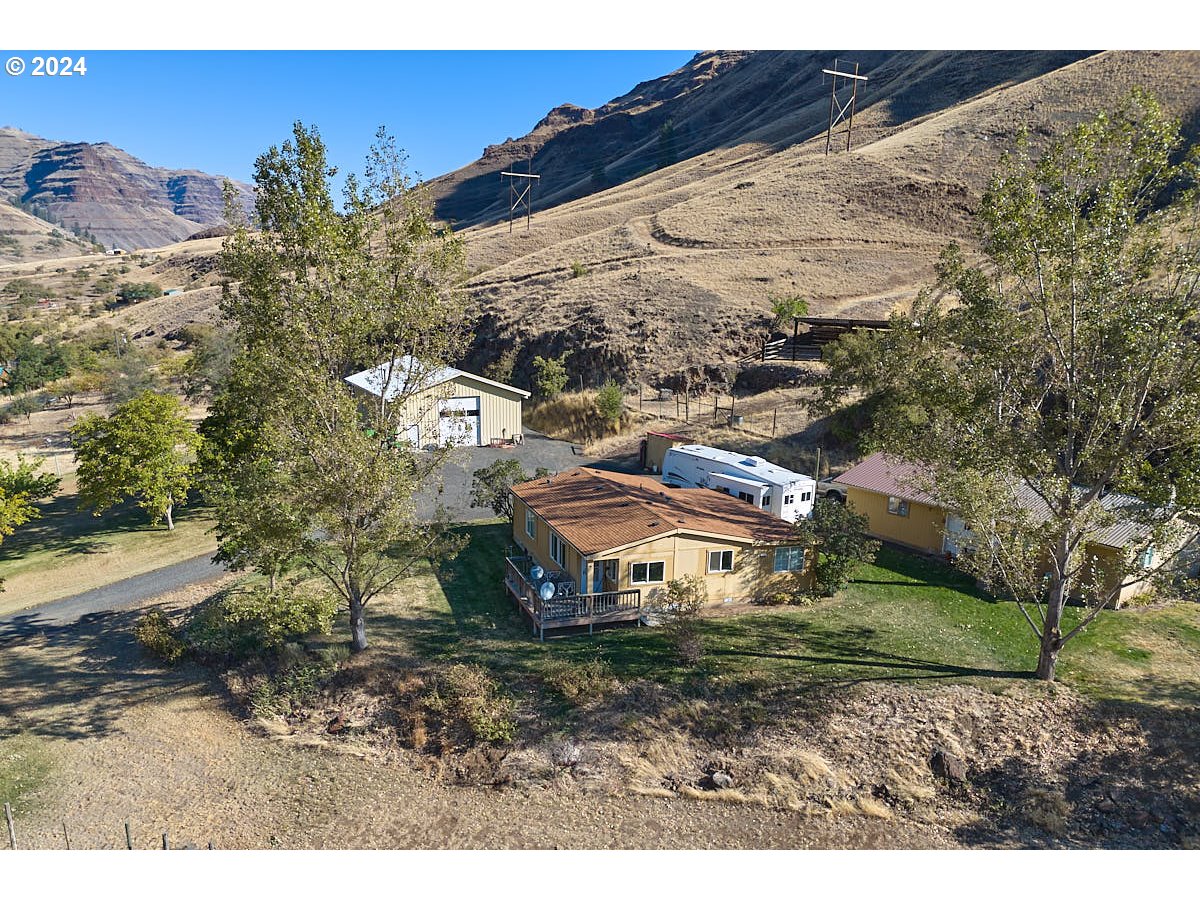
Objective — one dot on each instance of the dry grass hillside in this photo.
(681, 263)
(667, 278)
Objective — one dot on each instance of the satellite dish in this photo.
(547, 591)
(537, 572)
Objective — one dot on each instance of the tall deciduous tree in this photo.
(21, 487)
(143, 451)
(317, 293)
(1062, 367)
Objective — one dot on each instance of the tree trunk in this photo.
(358, 626)
(170, 520)
(271, 578)
(1052, 641)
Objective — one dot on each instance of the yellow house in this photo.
(599, 546)
(443, 405)
(889, 493)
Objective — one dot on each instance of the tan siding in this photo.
(500, 411)
(921, 529)
(657, 446)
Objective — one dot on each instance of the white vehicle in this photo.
(777, 490)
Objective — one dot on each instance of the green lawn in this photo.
(903, 619)
(68, 550)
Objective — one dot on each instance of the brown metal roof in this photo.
(889, 475)
(594, 510)
(897, 478)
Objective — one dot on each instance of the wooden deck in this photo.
(568, 609)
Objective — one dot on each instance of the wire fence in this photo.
(123, 836)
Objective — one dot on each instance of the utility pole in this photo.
(838, 110)
(523, 198)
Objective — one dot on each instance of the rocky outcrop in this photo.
(103, 192)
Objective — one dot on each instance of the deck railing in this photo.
(568, 609)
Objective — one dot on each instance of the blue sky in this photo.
(216, 111)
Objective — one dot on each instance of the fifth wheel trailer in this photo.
(777, 490)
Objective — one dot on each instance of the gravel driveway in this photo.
(455, 495)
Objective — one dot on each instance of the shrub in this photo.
(580, 681)
(680, 616)
(291, 688)
(155, 632)
(578, 269)
(610, 402)
(470, 702)
(551, 377)
(241, 623)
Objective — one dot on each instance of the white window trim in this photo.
(720, 553)
(648, 564)
(901, 506)
(531, 520)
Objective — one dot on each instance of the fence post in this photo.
(66, 837)
(128, 838)
(166, 845)
(686, 406)
(774, 418)
(12, 832)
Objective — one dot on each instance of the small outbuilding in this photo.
(443, 405)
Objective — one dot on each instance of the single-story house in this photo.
(444, 405)
(595, 533)
(890, 492)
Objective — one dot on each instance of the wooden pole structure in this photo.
(774, 419)
(128, 837)
(12, 832)
(66, 837)
(166, 844)
(523, 198)
(686, 406)
(817, 472)
(837, 111)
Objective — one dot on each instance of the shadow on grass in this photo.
(65, 529)
(75, 680)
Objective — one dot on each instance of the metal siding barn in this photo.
(446, 405)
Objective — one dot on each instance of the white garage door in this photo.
(459, 421)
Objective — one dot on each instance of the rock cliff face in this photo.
(101, 190)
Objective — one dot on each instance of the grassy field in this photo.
(69, 550)
(903, 619)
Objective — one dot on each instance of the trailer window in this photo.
(766, 501)
(789, 499)
(897, 506)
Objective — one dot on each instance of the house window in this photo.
(789, 499)
(806, 496)
(1146, 558)
(647, 573)
(897, 507)
(720, 560)
(530, 523)
(789, 559)
(742, 495)
(558, 550)
(766, 501)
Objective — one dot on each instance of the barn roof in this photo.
(407, 376)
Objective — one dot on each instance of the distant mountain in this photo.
(721, 98)
(100, 191)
